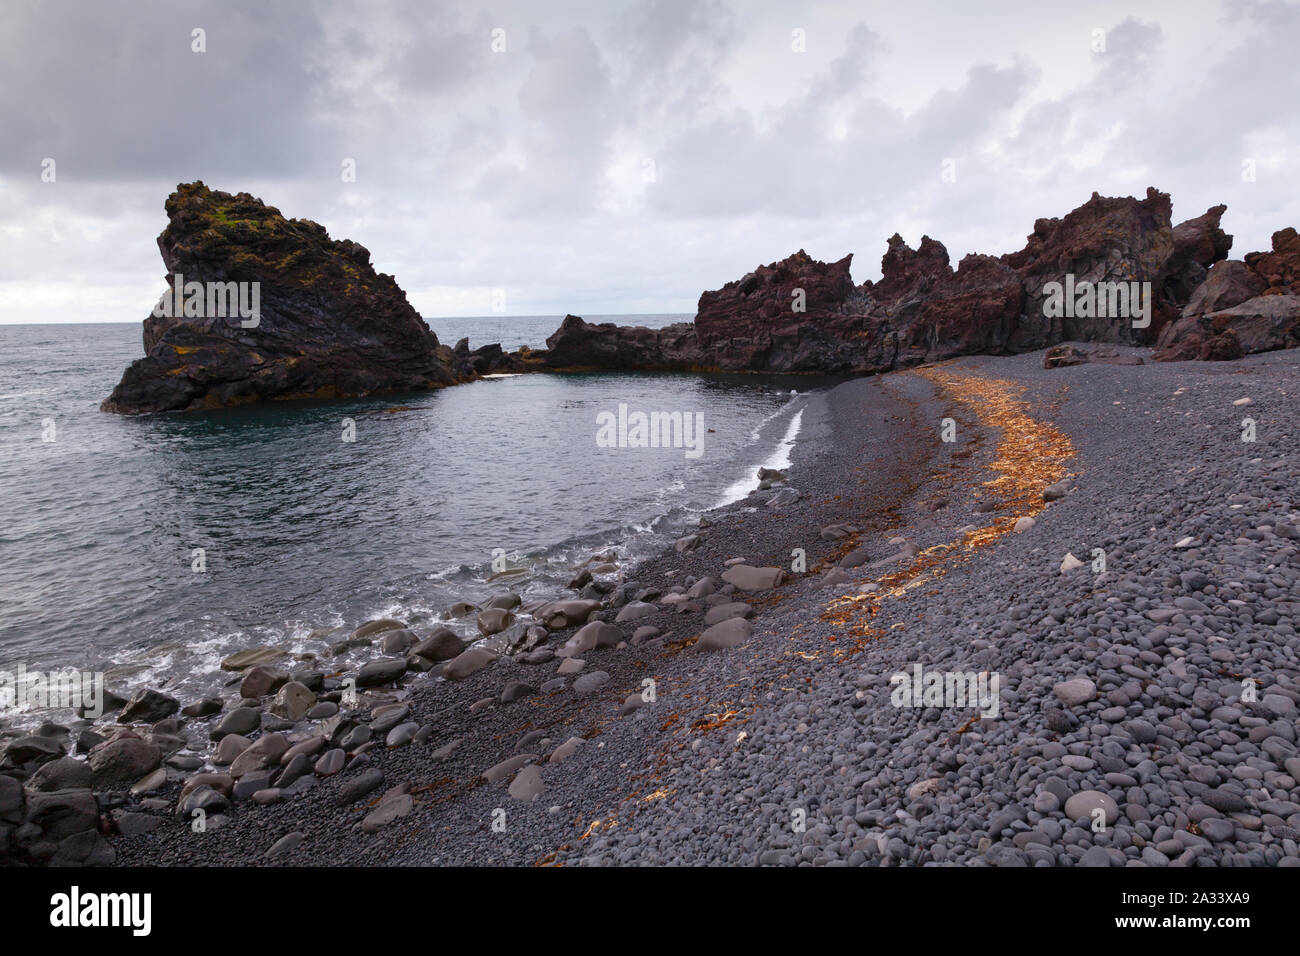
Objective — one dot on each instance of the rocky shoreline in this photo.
(768, 733)
(1114, 271)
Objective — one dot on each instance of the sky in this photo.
(540, 158)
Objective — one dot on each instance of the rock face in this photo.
(582, 346)
(1241, 307)
(486, 359)
(753, 323)
(1104, 240)
(925, 311)
(327, 326)
(803, 315)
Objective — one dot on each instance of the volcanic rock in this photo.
(1228, 283)
(1281, 267)
(578, 345)
(327, 325)
(1104, 240)
(803, 315)
(798, 314)
(1241, 308)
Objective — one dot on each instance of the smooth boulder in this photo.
(729, 633)
(468, 662)
(753, 579)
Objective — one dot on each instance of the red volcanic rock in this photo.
(328, 324)
(1241, 308)
(1280, 269)
(922, 310)
(1104, 240)
(1200, 240)
(975, 309)
(798, 314)
(907, 272)
(1198, 244)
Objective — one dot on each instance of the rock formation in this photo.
(753, 323)
(1104, 240)
(486, 359)
(327, 326)
(803, 315)
(582, 346)
(1241, 307)
(1114, 271)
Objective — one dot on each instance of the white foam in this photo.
(778, 460)
(781, 457)
(757, 432)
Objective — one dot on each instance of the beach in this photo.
(1120, 695)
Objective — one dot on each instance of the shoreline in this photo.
(172, 660)
(446, 705)
(797, 716)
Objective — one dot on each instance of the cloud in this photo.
(561, 133)
(836, 147)
(113, 100)
(623, 156)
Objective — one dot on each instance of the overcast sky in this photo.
(622, 157)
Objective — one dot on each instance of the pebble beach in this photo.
(1099, 538)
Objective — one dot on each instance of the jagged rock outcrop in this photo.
(798, 314)
(579, 346)
(486, 359)
(1243, 307)
(327, 325)
(1280, 269)
(919, 309)
(1106, 240)
(922, 310)
(1198, 244)
(803, 315)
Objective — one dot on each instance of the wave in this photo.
(778, 460)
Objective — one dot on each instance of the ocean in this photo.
(151, 547)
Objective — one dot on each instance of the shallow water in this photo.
(302, 530)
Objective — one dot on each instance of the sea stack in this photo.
(262, 307)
